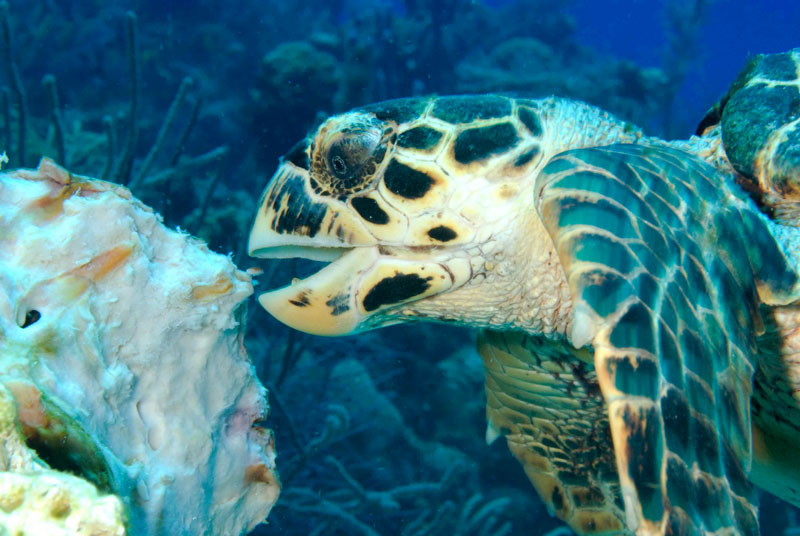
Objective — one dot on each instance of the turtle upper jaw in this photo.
(303, 304)
(284, 230)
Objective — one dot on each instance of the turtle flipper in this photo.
(542, 395)
(665, 262)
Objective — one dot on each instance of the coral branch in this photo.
(49, 83)
(219, 155)
(169, 119)
(187, 130)
(5, 104)
(126, 162)
(111, 145)
(329, 509)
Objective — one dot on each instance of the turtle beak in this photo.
(363, 287)
(294, 222)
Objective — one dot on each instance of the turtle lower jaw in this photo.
(323, 303)
(362, 288)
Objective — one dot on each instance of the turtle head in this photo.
(407, 213)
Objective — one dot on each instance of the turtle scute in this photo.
(760, 120)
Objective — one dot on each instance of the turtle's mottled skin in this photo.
(760, 124)
(638, 308)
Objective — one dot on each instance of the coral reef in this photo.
(436, 475)
(526, 65)
(120, 344)
(35, 499)
(295, 81)
(525, 48)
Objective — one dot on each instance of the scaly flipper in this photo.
(667, 264)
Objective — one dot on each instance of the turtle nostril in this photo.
(31, 317)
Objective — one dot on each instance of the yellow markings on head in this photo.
(424, 140)
(507, 191)
(288, 208)
(496, 150)
(483, 202)
(342, 297)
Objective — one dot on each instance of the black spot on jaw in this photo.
(478, 143)
(526, 157)
(31, 317)
(397, 288)
(369, 209)
(301, 301)
(297, 155)
(422, 138)
(442, 233)
(338, 304)
(530, 119)
(467, 108)
(406, 181)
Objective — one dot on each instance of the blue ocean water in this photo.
(728, 32)
(381, 433)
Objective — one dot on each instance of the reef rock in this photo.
(35, 499)
(121, 347)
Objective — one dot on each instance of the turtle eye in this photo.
(346, 156)
(339, 167)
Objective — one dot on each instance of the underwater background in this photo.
(381, 433)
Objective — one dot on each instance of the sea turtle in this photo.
(638, 299)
